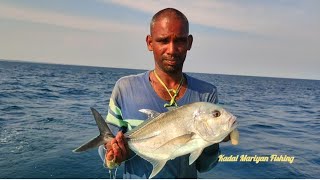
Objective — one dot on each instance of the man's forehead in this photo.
(167, 25)
(170, 18)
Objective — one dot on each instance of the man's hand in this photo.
(117, 150)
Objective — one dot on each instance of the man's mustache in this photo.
(171, 58)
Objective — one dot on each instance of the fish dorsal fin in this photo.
(151, 113)
(170, 108)
(140, 126)
(194, 155)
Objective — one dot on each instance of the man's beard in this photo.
(172, 69)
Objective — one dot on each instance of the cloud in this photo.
(288, 44)
(282, 19)
(64, 20)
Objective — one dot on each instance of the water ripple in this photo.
(45, 114)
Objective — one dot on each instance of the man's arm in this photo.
(208, 159)
(116, 150)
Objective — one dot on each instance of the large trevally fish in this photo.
(186, 129)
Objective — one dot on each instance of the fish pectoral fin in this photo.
(149, 136)
(177, 142)
(194, 156)
(97, 141)
(157, 166)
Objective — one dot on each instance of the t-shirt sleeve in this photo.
(114, 117)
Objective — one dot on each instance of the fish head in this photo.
(213, 123)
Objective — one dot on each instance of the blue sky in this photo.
(274, 38)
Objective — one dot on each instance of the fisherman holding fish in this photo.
(159, 90)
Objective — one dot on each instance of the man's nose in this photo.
(172, 48)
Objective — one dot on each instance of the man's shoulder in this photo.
(131, 79)
(200, 85)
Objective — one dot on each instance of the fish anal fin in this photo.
(157, 166)
(194, 155)
(156, 163)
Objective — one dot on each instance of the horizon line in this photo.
(85, 65)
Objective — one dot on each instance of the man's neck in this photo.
(169, 79)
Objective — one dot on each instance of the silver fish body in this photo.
(186, 129)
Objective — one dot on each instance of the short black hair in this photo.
(169, 12)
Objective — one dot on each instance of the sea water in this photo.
(45, 114)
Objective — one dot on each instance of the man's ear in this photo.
(190, 40)
(149, 42)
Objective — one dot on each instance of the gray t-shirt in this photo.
(132, 93)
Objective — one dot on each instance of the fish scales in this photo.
(171, 122)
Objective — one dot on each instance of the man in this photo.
(161, 89)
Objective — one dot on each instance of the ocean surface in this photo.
(45, 114)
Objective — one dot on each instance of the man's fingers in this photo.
(126, 147)
(125, 144)
(117, 148)
(113, 141)
(121, 144)
(108, 146)
(117, 153)
(110, 160)
(110, 155)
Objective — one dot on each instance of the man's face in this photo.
(169, 41)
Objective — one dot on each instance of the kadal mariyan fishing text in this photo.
(257, 159)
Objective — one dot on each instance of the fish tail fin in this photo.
(95, 142)
(105, 134)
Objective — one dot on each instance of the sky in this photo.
(274, 38)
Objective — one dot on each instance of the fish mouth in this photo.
(233, 123)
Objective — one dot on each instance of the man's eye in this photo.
(216, 113)
(163, 41)
(181, 40)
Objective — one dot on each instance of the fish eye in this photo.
(216, 113)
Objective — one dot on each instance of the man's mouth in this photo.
(171, 62)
